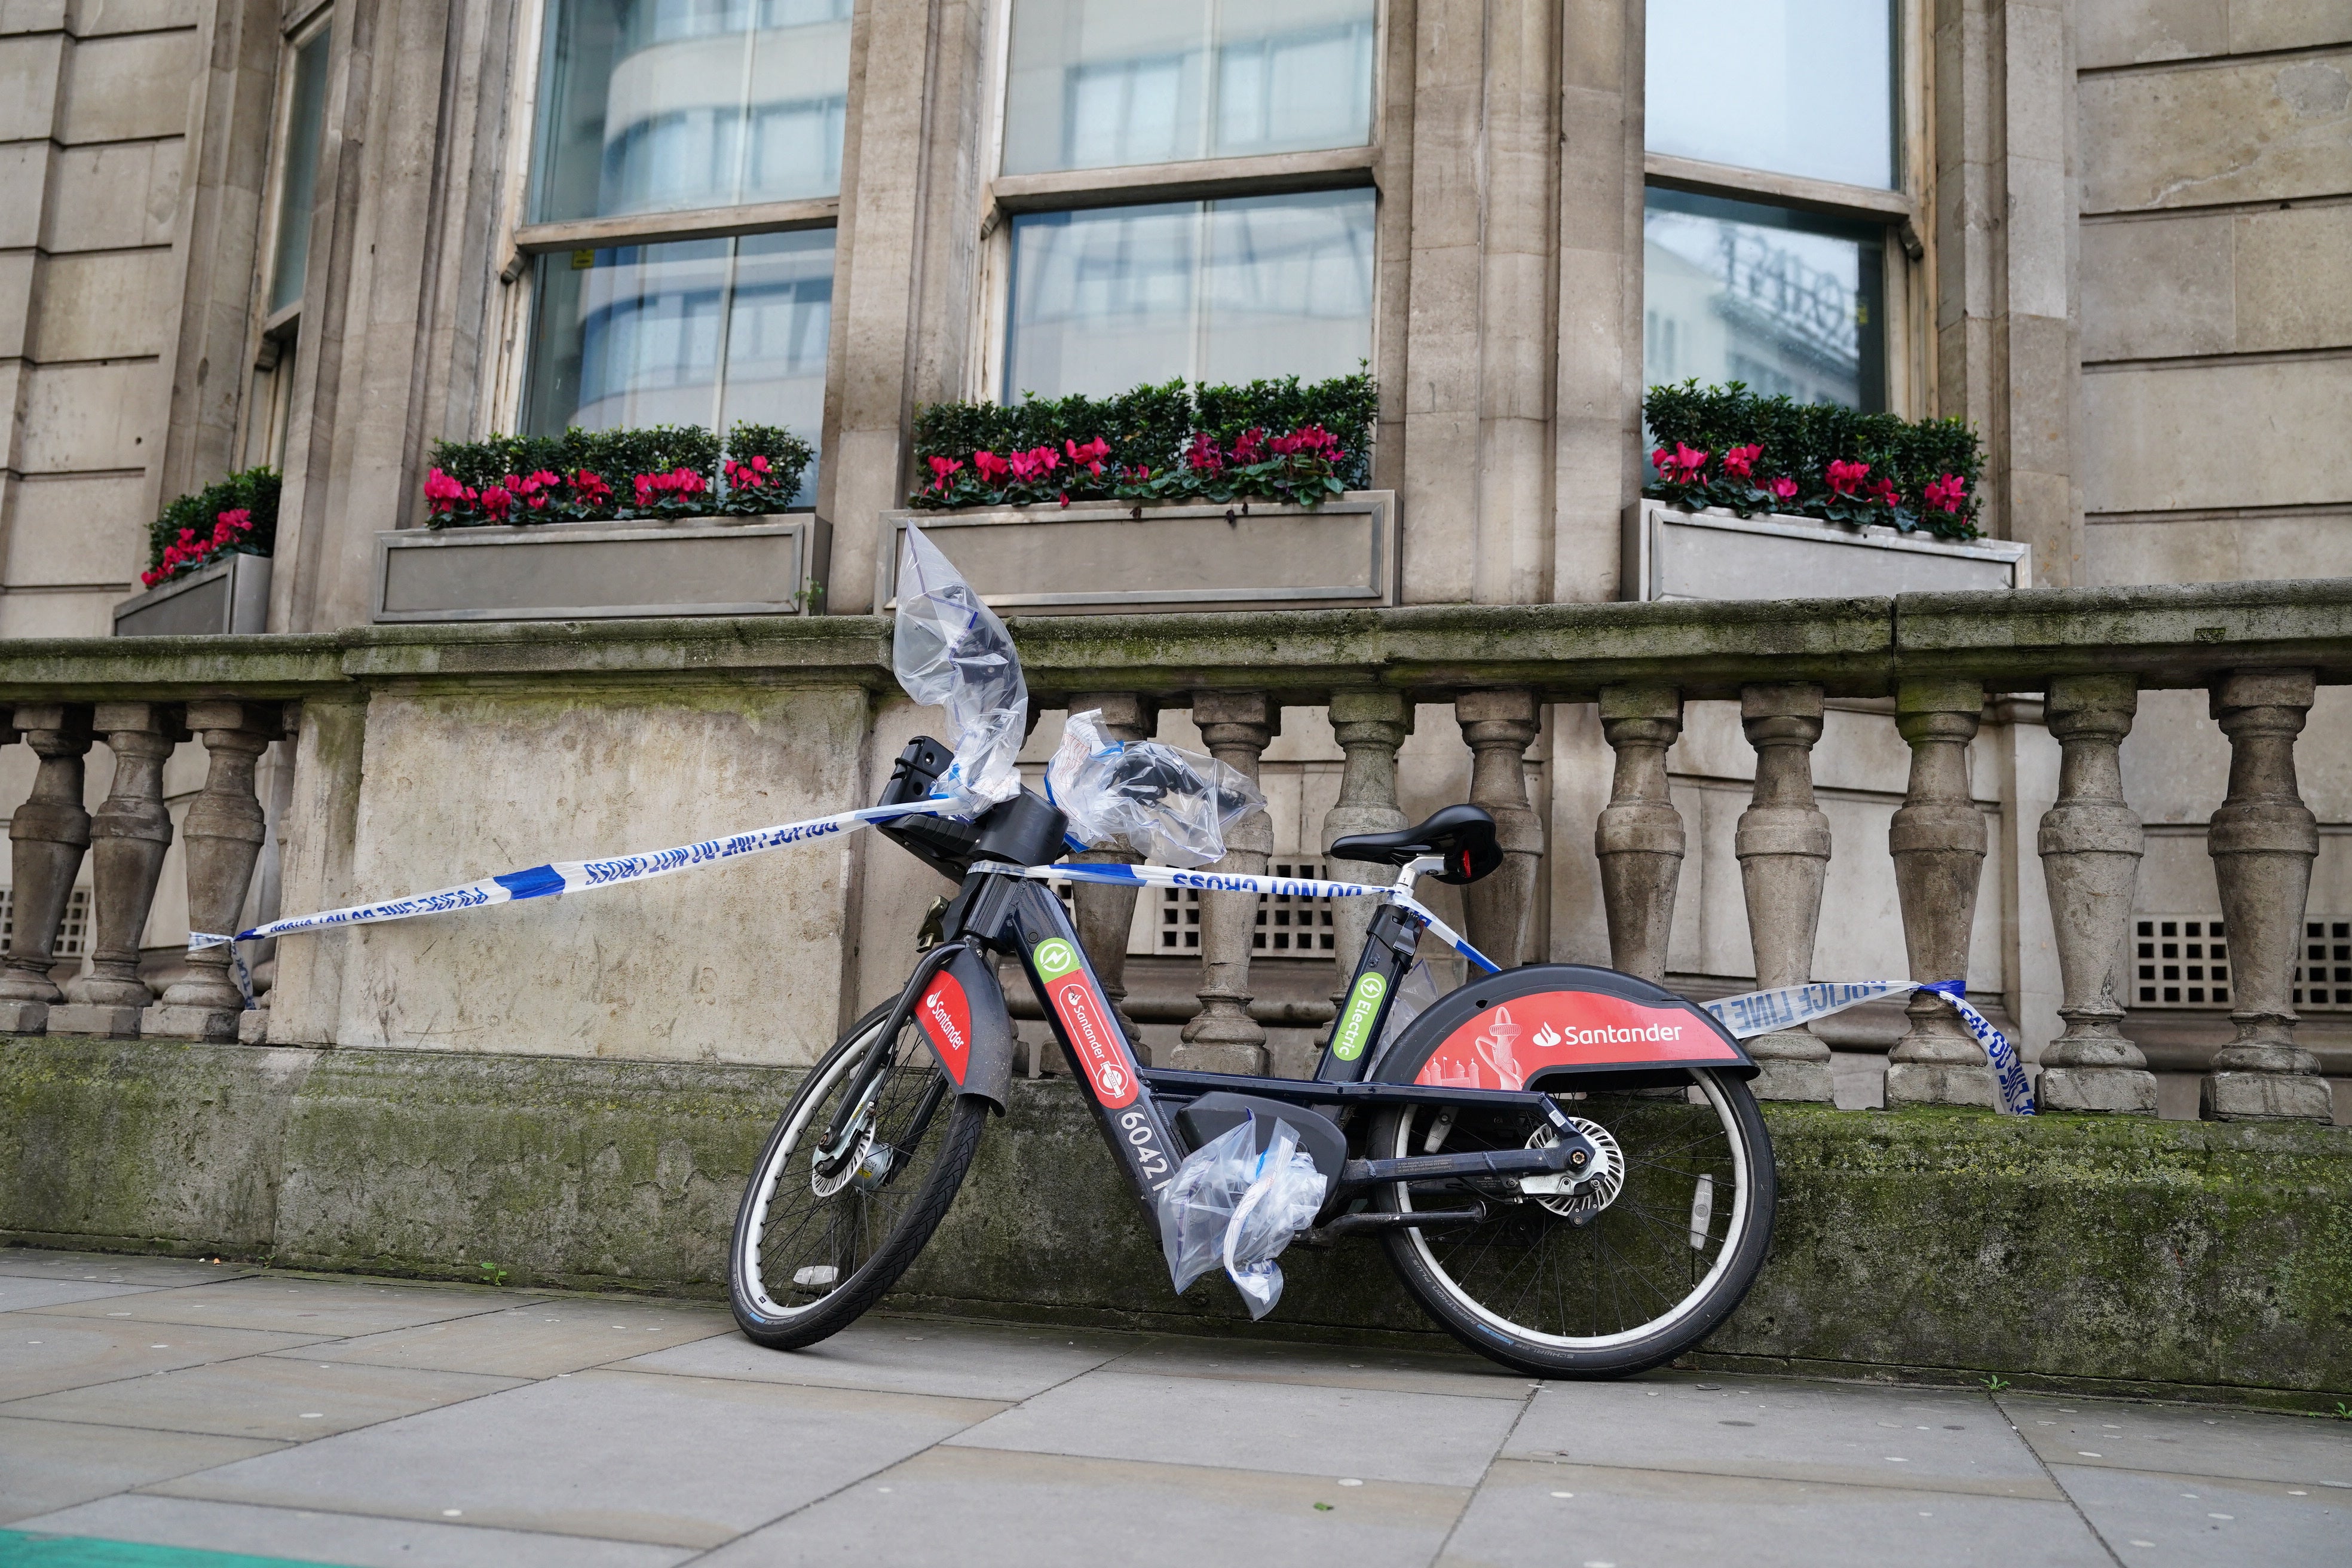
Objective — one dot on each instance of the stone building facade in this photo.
(2115, 236)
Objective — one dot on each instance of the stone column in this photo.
(47, 837)
(1937, 841)
(1783, 845)
(1370, 726)
(1222, 1038)
(1106, 914)
(223, 829)
(2263, 841)
(1500, 727)
(130, 834)
(1639, 839)
(2090, 845)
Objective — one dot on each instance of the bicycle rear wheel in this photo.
(825, 1228)
(1630, 1274)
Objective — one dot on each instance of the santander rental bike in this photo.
(1564, 1163)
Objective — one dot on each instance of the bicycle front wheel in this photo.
(1621, 1277)
(860, 1171)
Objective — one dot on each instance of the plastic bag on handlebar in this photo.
(1171, 806)
(951, 650)
(1234, 1205)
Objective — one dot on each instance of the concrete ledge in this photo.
(2121, 1254)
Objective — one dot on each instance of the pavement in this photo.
(189, 1408)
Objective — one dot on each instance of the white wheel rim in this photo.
(1742, 1202)
(747, 1260)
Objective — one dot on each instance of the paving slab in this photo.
(264, 1396)
(1323, 1366)
(41, 1354)
(332, 1308)
(978, 1508)
(1534, 1515)
(2191, 1440)
(1849, 1434)
(48, 1465)
(622, 1456)
(568, 1334)
(348, 1540)
(968, 1361)
(2173, 1521)
(1289, 1428)
(18, 1294)
(116, 1268)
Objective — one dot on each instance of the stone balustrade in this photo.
(1930, 668)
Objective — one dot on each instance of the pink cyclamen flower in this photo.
(990, 465)
(942, 468)
(1202, 455)
(1845, 478)
(1740, 462)
(1947, 493)
(1249, 447)
(1784, 487)
(498, 502)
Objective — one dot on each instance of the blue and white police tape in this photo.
(1761, 1012)
(1278, 886)
(578, 876)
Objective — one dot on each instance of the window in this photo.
(1775, 187)
(1216, 292)
(285, 271)
(1107, 291)
(714, 110)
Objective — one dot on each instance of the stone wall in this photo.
(2107, 1254)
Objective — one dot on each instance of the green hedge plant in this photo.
(665, 472)
(235, 516)
(1286, 440)
(1725, 447)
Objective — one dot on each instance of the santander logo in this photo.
(1100, 1046)
(946, 1017)
(1496, 1050)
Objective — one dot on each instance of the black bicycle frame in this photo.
(1000, 910)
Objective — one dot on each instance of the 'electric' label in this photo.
(1356, 1024)
(1101, 1047)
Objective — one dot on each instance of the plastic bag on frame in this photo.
(1171, 806)
(951, 650)
(1233, 1204)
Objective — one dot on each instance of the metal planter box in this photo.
(1714, 555)
(232, 595)
(592, 571)
(1094, 557)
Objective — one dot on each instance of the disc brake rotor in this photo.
(1588, 1194)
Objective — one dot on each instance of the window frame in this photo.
(273, 332)
(508, 370)
(1006, 196)
(1905, 212)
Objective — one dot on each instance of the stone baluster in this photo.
(1784, 845)
(1105, 915)
(2263, 841)
(2090, 842)
(129, 833)
(1370, 726)
(1500, 727)
(1237, 727)
(1639, 839)
(47, 837)
(224, 831)
(1938, 842)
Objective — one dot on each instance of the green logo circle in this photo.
(1056, 958)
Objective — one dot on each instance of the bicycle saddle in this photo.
(1461, 835)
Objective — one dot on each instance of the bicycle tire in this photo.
(762, 1267)
(1485, 1283)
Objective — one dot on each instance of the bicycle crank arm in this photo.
(1570, 1154)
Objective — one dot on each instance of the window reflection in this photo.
(1795, 87)
(1788, 303)
(698, 332)
(1216, 292)
(1102, 83)
(297, 180)
(665, 105)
